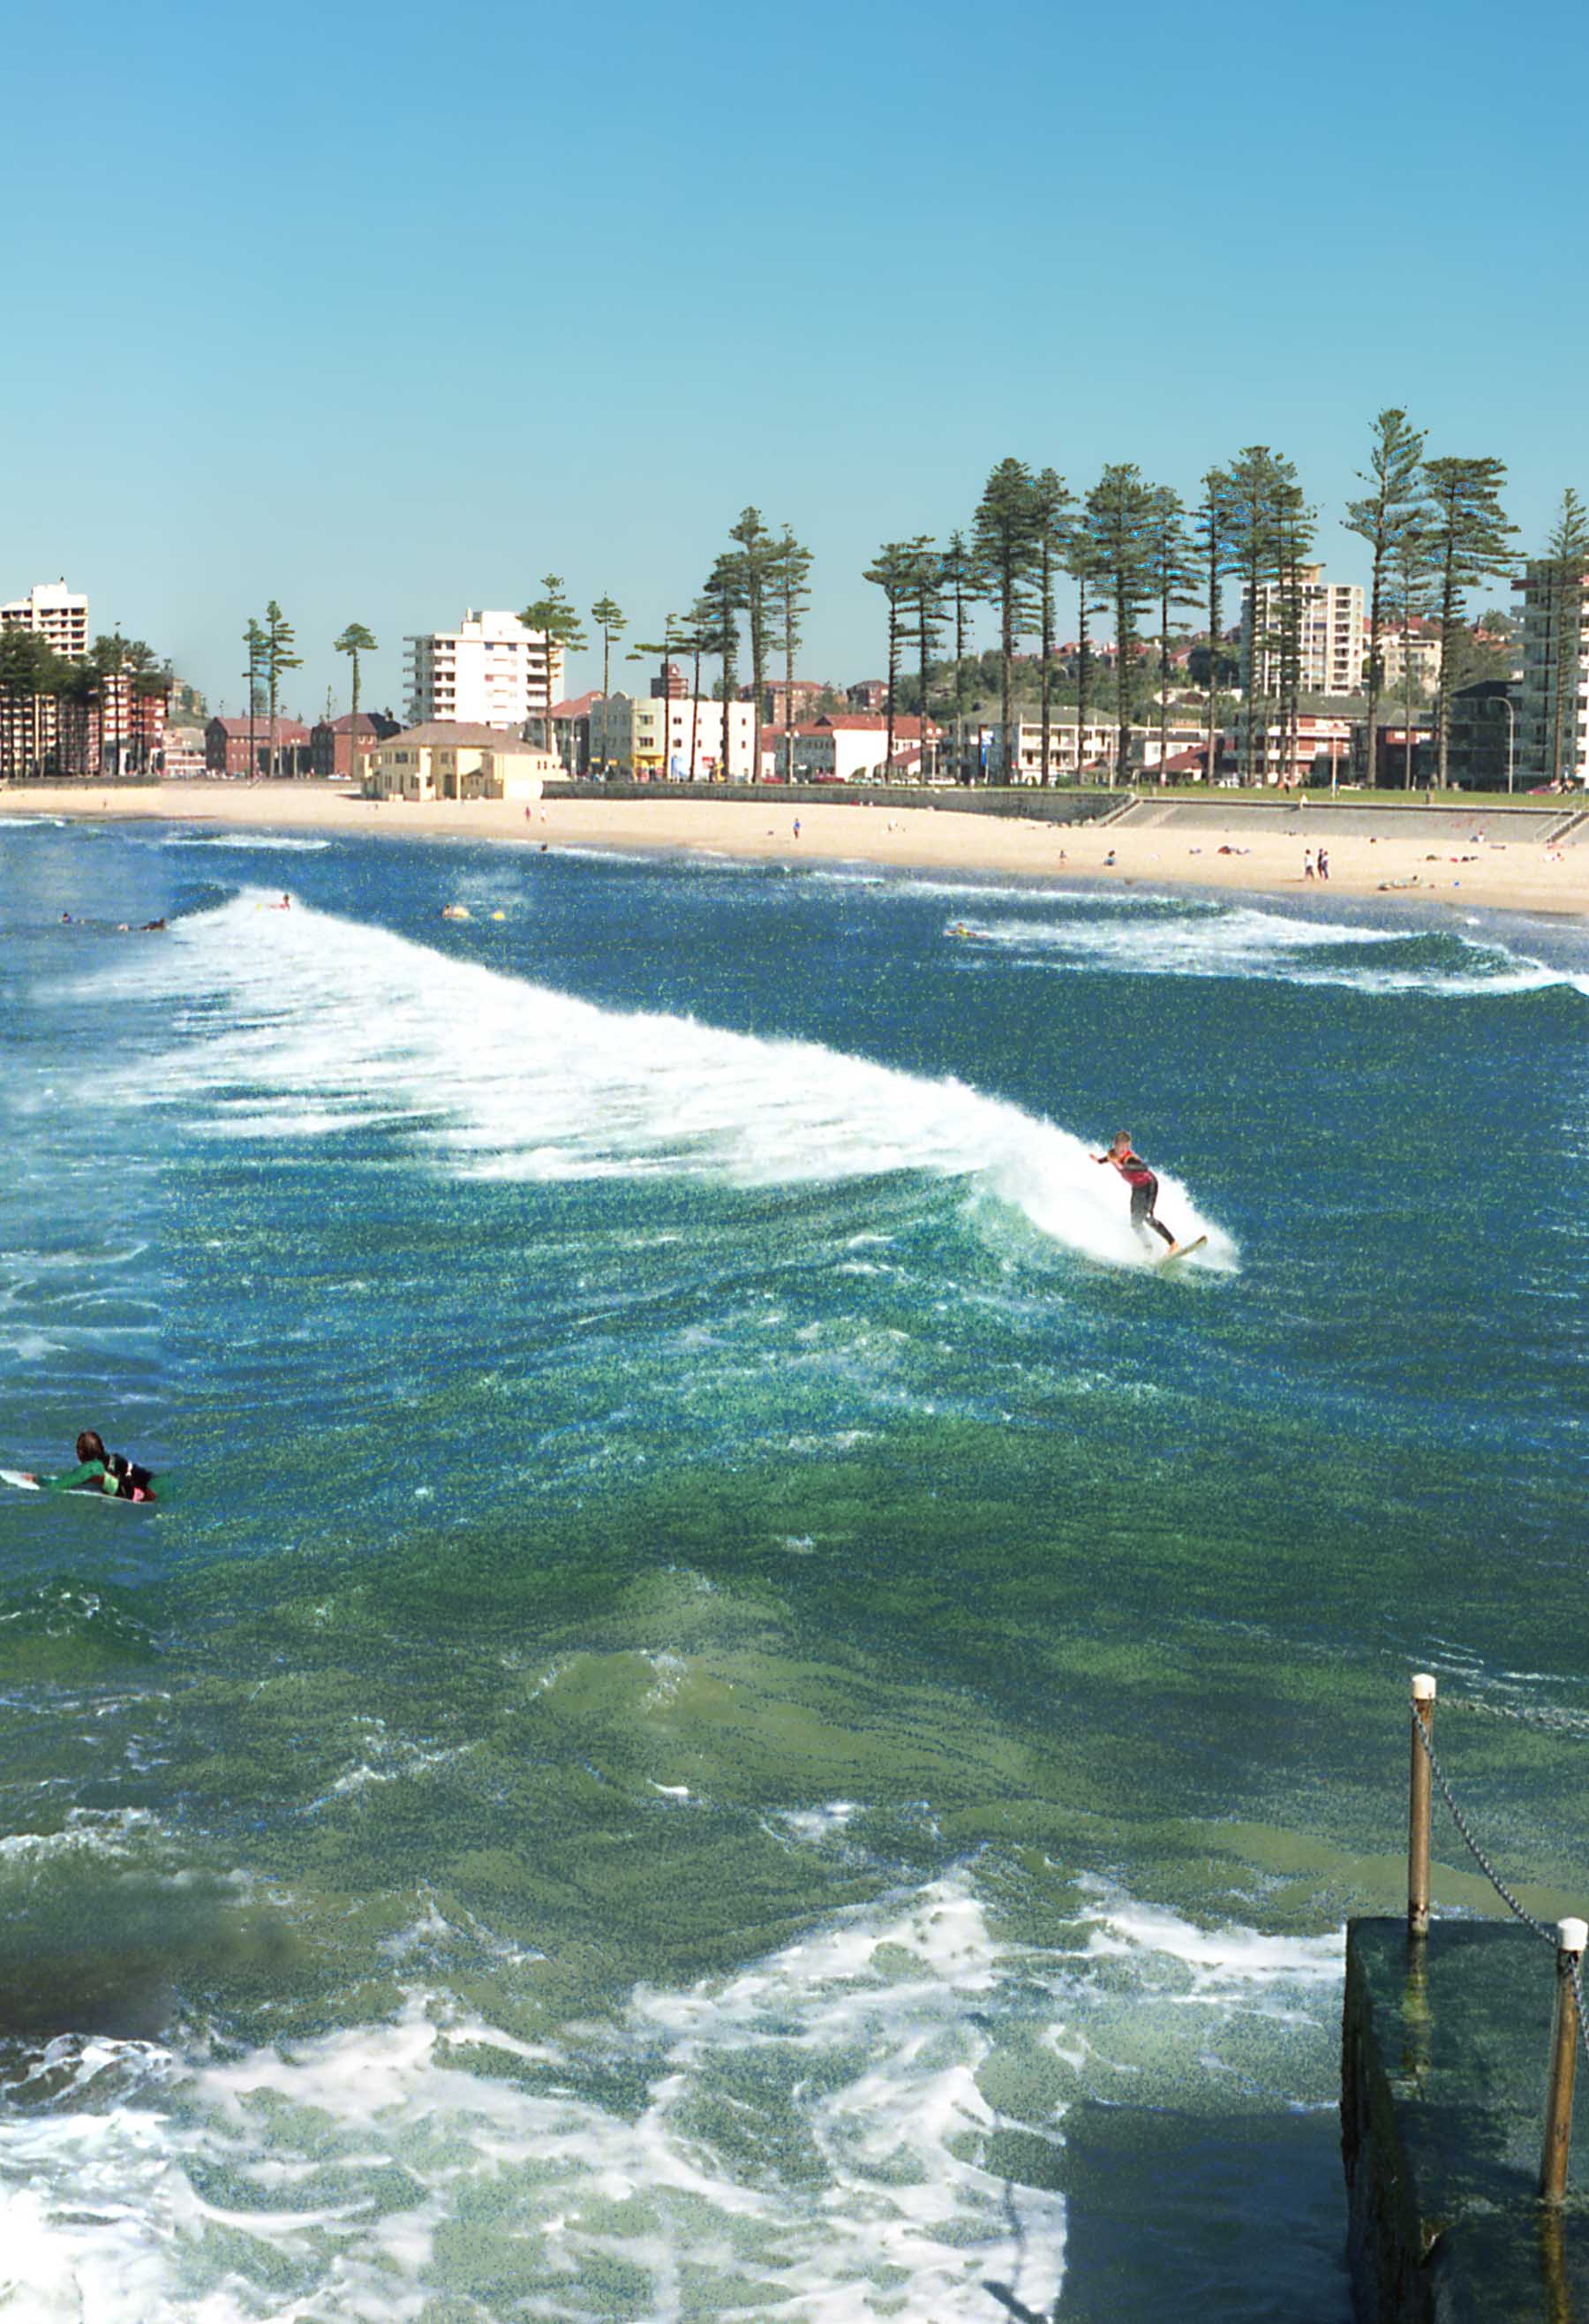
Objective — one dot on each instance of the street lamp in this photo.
(1504, 702)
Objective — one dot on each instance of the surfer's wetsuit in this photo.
(115, 1475)
(1144, 1193)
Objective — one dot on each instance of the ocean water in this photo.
(737, 1710)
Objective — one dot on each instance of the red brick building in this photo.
(338, 747)
(225, 746)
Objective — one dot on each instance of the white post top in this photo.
(1572, 1936)
(1423, 1687)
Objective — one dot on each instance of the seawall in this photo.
(1445, 2049)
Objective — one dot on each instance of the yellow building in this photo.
(445, 760)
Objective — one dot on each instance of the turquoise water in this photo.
(739, 1710)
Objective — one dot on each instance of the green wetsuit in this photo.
(127, 1483)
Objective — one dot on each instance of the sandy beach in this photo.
(1448, 856)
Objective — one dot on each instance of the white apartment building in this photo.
(491, 671)
(677, 739)
(854, 749)
(57, 612)
(1546, 640)
(1329, 639)
(31, 726)
(1100, 742)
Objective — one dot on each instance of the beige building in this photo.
(679, 738)
(1420, 648)
(448, 761)
(1330, 641)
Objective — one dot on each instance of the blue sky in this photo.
(386, 310)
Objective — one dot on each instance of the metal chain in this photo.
(1485, 1864)
(1500, 1886)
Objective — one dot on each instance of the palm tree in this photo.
(354, 641)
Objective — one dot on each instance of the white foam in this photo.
(1191, 939)
(248, 841)
(860, 2049)
(300, 1023)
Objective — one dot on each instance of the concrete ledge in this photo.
(1056, 805)
(1443, 2065)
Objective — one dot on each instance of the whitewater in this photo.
(736, 1711)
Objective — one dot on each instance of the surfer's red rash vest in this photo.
(1135, 1171)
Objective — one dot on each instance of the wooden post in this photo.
(1417, 1810)
(1571, 1937)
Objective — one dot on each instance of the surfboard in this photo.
(1183, 1250)
(26, 1484)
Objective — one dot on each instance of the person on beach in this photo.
(1144, 1186)
(100, 1471)
(1307, 864)
(1322, 860)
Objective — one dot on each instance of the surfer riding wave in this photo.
(1144, 1186)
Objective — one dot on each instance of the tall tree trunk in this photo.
(1046, 678)
(694, 711)
(923, 647)
(892, 680)
(1374, 616)
(1122, 679)
(1083, 672)
(959, 678)
(1164, 671)
(789, 682)
(1007, 647)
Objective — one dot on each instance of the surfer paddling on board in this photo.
(1144, 1186)
(100, 1471)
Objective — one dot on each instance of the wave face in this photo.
(299, 1024)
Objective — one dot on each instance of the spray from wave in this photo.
(299, 1024)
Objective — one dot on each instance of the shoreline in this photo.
(1213, 852)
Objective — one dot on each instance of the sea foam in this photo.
(299, 1024)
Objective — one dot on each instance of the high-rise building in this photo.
(29, 723)
(58, 615)
(1555, 659)
(1329, 638)
(491, 671)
